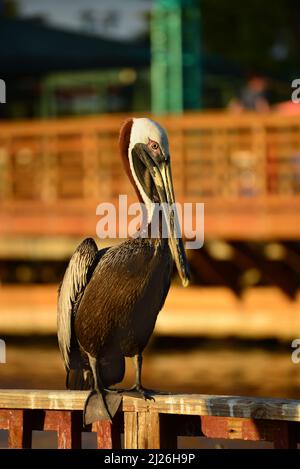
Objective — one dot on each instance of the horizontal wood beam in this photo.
(283, 434)
(181, 404)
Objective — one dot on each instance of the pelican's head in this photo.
(145, 150)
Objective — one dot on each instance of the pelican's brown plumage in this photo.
(109, 299)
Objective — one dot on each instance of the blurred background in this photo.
(218, 75)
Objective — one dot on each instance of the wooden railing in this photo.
(245, 168)
(150, 424)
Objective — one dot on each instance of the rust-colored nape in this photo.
(124, 141)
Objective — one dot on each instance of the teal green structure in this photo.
(176, 76)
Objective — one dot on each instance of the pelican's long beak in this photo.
(161, 176)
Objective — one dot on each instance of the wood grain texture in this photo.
(182, 404)
(283, 434)
(130, 430)
(153, 424)
(104, 434)
(224, 406)
(154, 434)
(19, 431)
(142, 430)
(108, 434)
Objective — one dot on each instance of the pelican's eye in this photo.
(156, 151)
(154, 146)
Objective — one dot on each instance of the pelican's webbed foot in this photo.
(100, 406)
(143, 392)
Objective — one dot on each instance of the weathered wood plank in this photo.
(142, 430)
(283, 434)
(183, 404)
(104, 431)
(42, 399)
(68, 425)
(19, 429)
(131, 430)
(226, 406)
(109, 434)
(154, 435)
(4, 419)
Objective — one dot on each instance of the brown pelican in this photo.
(109, 299)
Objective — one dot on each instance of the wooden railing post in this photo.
(151, 424)
(131, 430)
(141, 430)
(65, 434)
(19, 430)
(109, 434)
(150, 430)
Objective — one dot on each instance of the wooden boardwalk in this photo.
(150, 424)
(246, 169)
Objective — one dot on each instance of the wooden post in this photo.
(130, 430)
(68, 425)
(142, 430)
(104, 434)
(19, 431)
(154, 433)
(109, 434)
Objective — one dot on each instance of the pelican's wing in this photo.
(76, 277)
